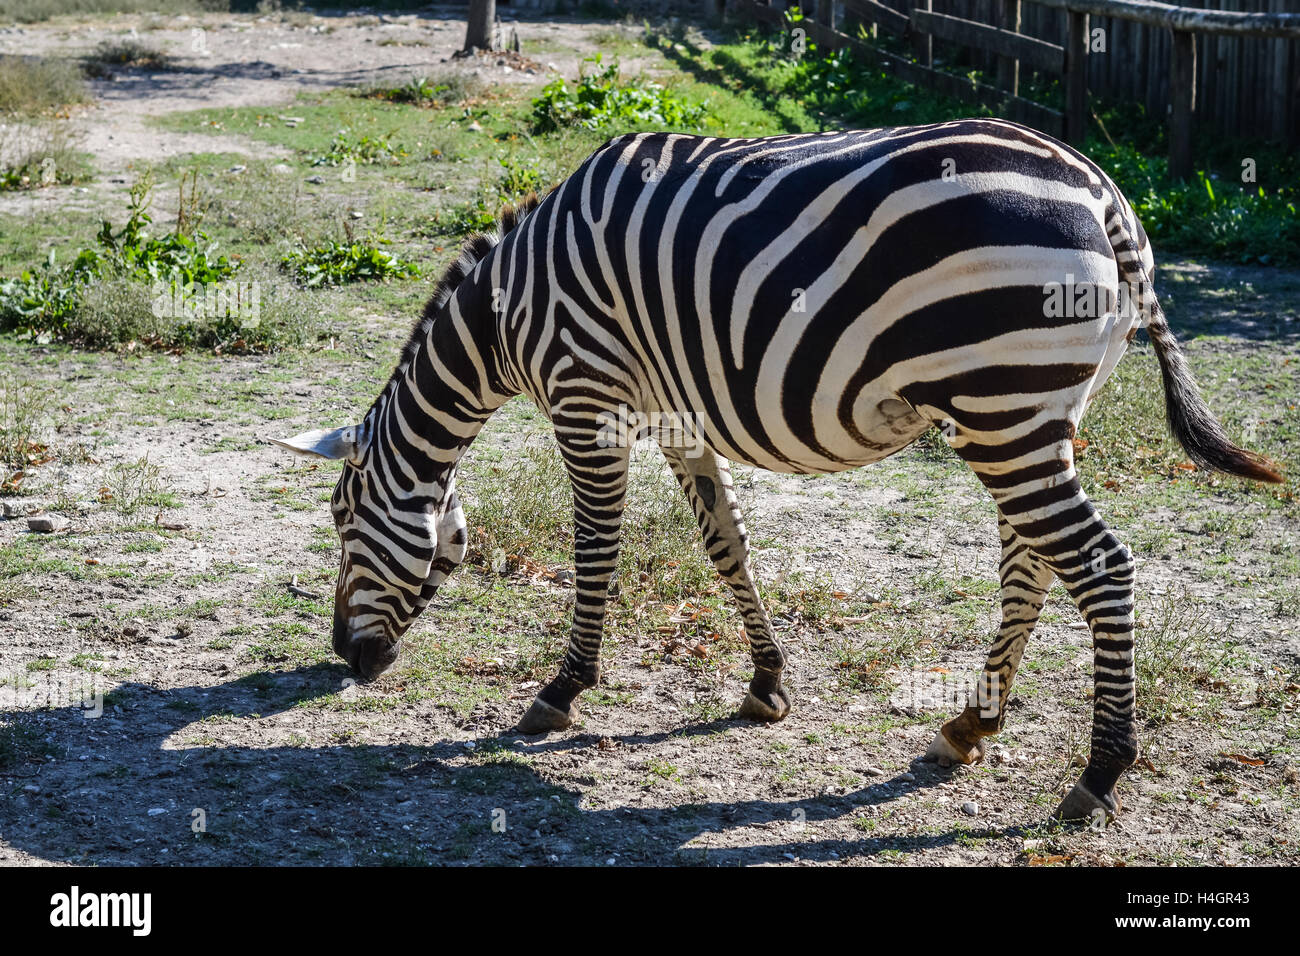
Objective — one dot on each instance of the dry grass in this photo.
(124, 54)
(32, 86)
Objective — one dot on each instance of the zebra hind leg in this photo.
(599, 477)
(1025, 582)
(706, 480)
(1038, 493)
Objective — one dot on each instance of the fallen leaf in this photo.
(1242, 758)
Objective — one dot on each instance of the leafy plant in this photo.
(601, 100)
(1245, 222)
(337, 263)
(517, 180)
(363, 150)
(40, 300)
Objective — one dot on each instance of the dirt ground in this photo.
(226, 732)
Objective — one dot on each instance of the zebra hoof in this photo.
(1081, 804)
(946, 754)
(542, 718)
(767, 709)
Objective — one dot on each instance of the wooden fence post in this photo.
(1182, 103)
(1076, 78)
(1009, 67)
(922, 43)
(826, 13)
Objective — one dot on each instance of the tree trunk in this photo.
(482, 20)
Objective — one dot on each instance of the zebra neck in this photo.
(435, 408)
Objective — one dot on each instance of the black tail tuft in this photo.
(1191, 420)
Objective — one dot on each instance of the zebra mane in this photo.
(472, 252)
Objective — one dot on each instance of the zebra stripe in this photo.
(806, 303)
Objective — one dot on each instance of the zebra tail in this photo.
(1191, 420)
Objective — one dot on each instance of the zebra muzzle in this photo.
(369, 655)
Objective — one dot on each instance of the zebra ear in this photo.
(332, 443)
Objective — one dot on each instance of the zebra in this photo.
(809, 303)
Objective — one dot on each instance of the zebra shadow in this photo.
(152, 782)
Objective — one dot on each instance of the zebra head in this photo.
(398, 547)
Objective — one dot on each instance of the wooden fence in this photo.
(1234, 67)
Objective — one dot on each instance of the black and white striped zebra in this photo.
(801, 303)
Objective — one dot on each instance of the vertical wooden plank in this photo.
(1076, 78)
(1278, 82)
(923, 43)
(1124, 58)
(826, 13)
(1009, 67)
(1234, 80)
(1221, 84)
(1205, 77)
(1182, 101)
(1155, 105)
(1137, 37)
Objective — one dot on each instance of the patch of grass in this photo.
(35, 11)
(126, 53)
(435, 92)
(21, 743)
(1180, 655)
(523, 507)
(132, 485)
(33, 86)
(257, 313)
(38, 153)
(23, 407)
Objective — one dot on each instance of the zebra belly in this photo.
(883, 424)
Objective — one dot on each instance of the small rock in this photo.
(282, 169)
(970, 808)
(236, 169)
(907, 776)
(47, 523)
(316, 180)
(356, 214)
(475, 127)
(156, 811)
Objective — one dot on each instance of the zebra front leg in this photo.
(706, 479)
(1025, 582)
(599, 478)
